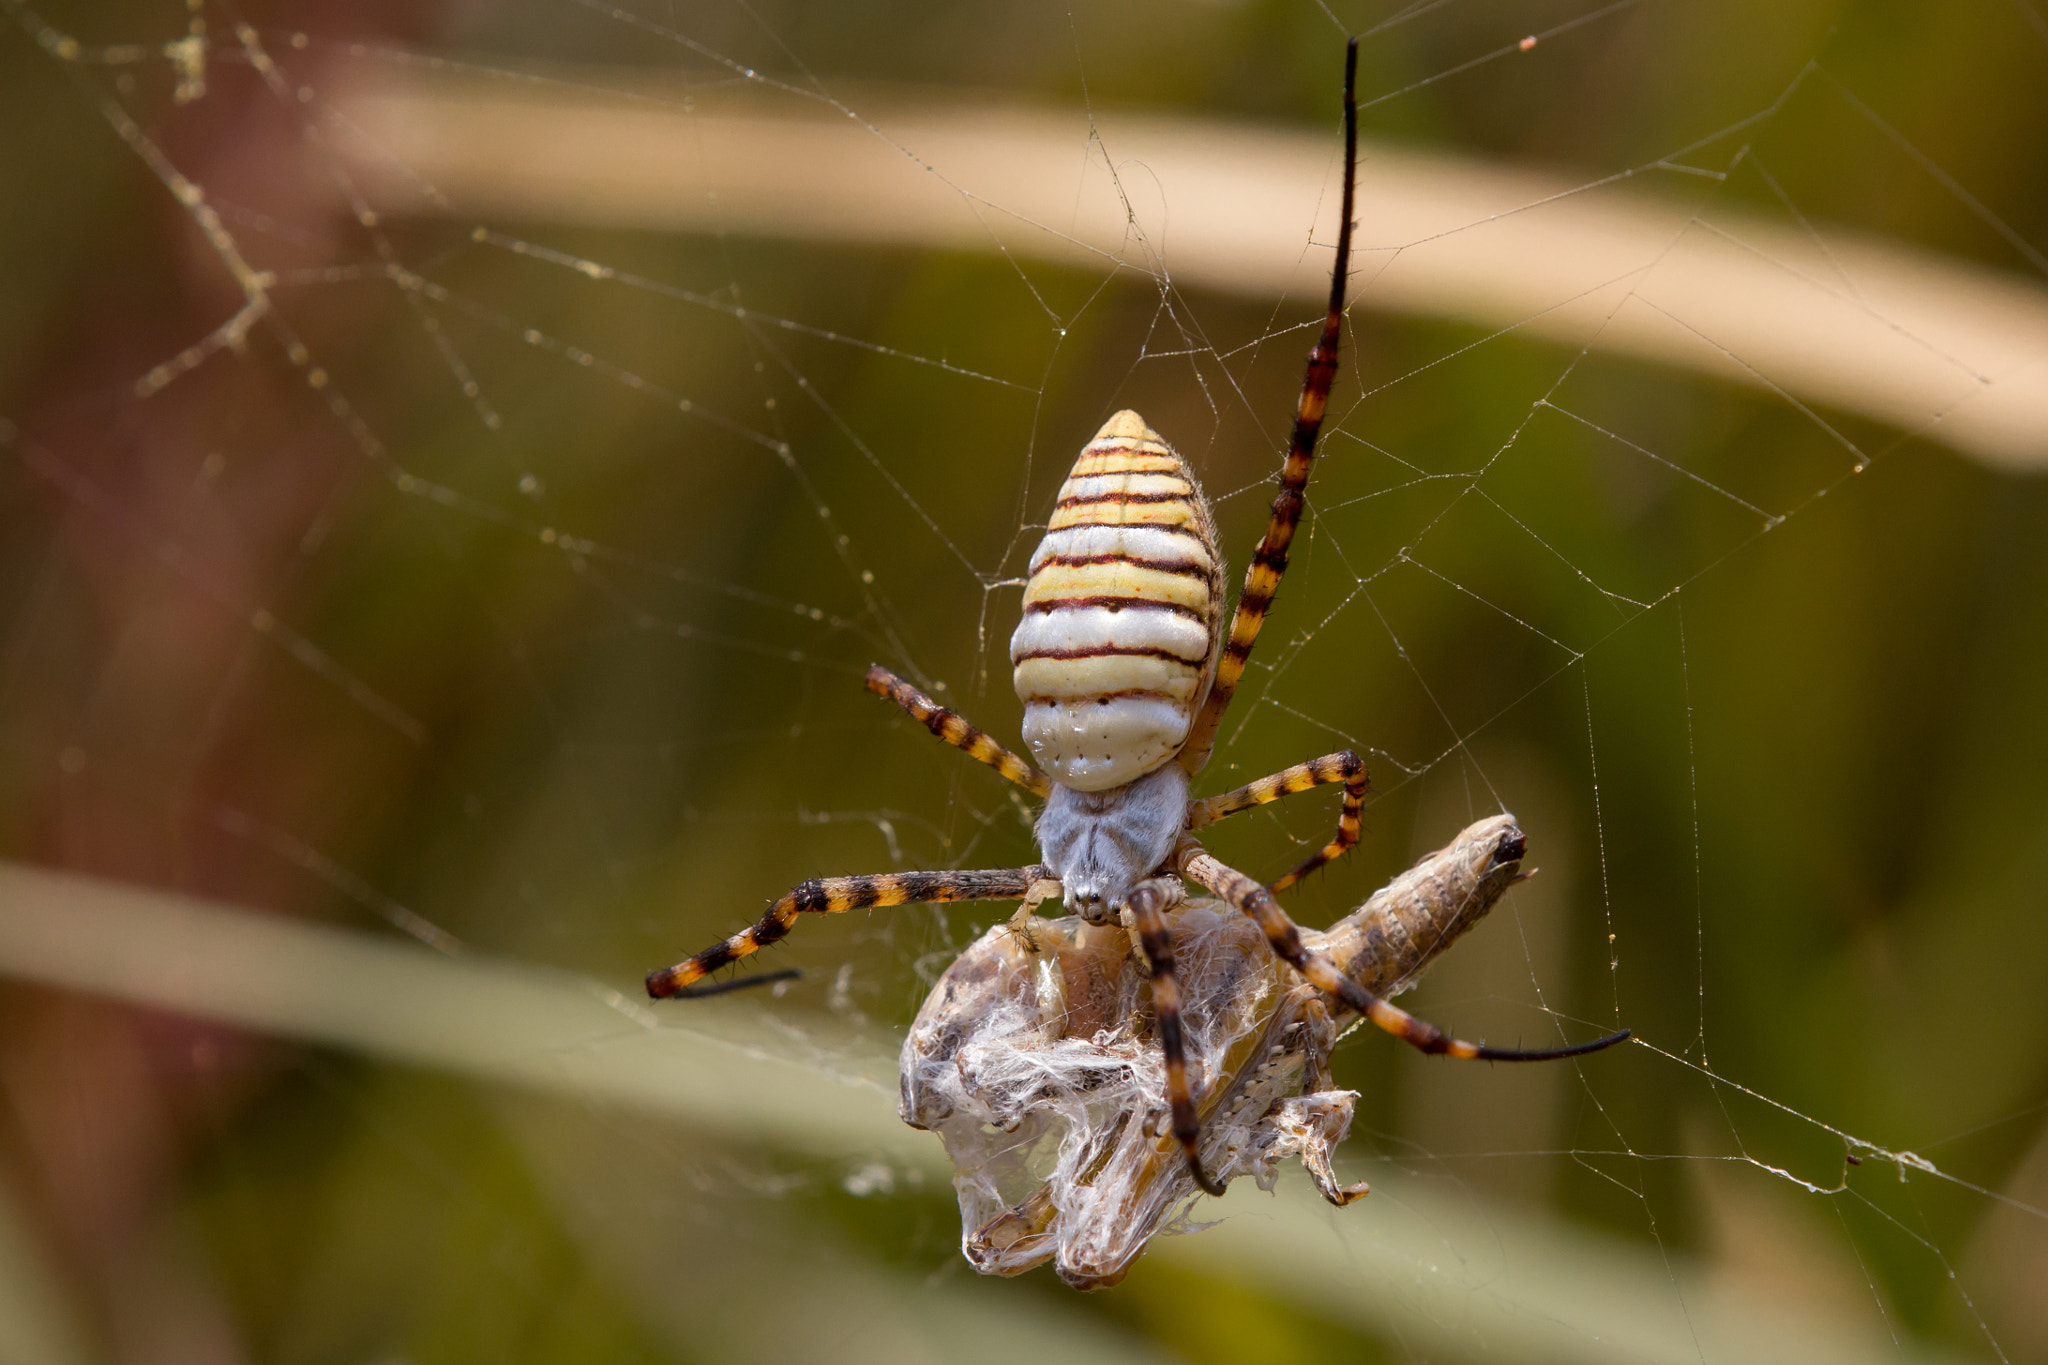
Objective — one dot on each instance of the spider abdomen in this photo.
(1123, 609)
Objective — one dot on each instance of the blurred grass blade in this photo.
(495, 1020)
(1411, 1260)
(1922, 342)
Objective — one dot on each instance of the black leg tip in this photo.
(1553, 1054)
(711, 988)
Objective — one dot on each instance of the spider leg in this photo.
(954, 728)
(1321, 972)
(834, 895)
(1269, 561)
(1342, 766)
(1149, 920)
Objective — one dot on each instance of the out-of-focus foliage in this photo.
(1790, 817)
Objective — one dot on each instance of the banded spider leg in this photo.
(1342, 766)
(836, 895)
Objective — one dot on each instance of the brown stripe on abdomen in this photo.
(1094, 499)
(1186, 568)
(1108, 652)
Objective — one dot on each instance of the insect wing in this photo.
(1034, 1058)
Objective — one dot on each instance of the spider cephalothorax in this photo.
(1125, 672)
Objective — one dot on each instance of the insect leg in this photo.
(1320, 971)
(1149, 920)
(956, 730)
(834, 895)
(1342, 766)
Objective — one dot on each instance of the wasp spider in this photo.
(1125, 671)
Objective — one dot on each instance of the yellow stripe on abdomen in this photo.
(1123, 608)
(1119, 576)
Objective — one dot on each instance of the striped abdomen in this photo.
(1123, 610)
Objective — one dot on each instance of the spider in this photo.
(1125, 671)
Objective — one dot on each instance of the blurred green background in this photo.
(1784, 786)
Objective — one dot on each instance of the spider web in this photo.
(478, 543)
